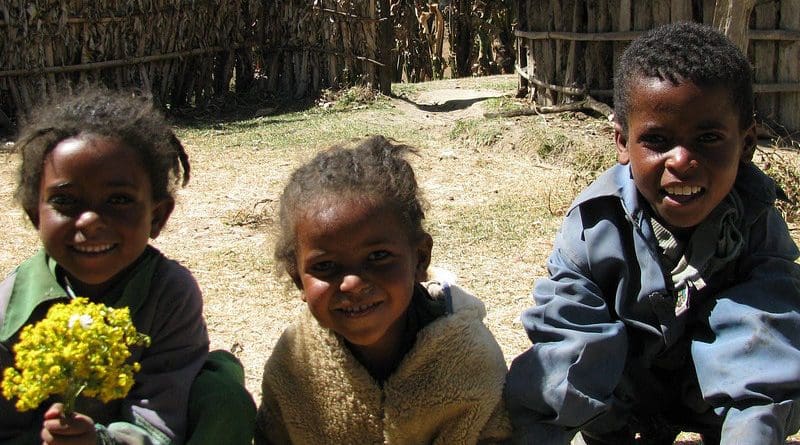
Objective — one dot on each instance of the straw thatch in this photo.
(194, 53)
(187, 53)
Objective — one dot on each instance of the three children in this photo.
(672, 302)
(673, 297)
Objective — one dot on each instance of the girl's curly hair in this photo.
(131, 118)
(373, 168)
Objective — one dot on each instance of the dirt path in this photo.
(441, 107)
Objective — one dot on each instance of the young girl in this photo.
(380, 356)
(96, 180)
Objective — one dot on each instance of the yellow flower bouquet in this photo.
(79, 348)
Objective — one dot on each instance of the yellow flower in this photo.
(78, 348)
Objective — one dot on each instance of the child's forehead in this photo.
(350, 222)
(93, 151)
(92, 141)
(650, 93)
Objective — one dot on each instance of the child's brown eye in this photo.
(653, 140)
(61, 201)
(120, 200)
(708, 138)
(322, 267)
(378, 255)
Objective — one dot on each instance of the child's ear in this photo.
(33, 215)
(424, 249)
(750, 142)
(621, 141)
(160, 215)
(297, 281)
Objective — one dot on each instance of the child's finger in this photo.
(54, 411)
(74, 425)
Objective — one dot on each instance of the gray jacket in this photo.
(606, 304)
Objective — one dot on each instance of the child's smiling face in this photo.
(96, 210)
(357, 267)
(685, 144)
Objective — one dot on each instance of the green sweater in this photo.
(165, 303)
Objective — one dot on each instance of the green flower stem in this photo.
(71, 397)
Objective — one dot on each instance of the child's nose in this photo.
(87, 220)
(681, 159)
(353, 283)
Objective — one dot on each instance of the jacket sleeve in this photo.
(748, 367)
(158, 403)
(567, 377)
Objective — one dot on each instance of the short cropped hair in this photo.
(681, 52)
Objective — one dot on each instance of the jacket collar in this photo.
(35, 282)
(756, 188)
(616, 182)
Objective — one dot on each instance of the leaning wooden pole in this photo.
(385, 45)
(732, 17)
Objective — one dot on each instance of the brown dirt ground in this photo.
(220, 228)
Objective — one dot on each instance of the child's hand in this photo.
(77, 429)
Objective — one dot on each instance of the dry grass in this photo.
(782, 165)
(497, 190)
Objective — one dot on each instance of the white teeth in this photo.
(93, 249)
(360, 308)
(685, 190)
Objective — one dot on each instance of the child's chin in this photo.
(682, 224)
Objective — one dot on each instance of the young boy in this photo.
(673, 301)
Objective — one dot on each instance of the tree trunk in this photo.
(462, 36)
(732, 17)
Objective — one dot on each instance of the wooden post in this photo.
(789, 67)
(521, 13)
(623, 23)
(386, 43)
(764, 59)
(732, 18)
(680, 10)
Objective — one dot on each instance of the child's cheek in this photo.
(315, 292)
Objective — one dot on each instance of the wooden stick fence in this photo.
(567, 49)
(187, 53)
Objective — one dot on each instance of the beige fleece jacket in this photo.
(447, 389)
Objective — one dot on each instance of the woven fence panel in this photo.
(568, 49)
(178, 51)
(185, 53)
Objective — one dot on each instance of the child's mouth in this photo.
(93, 249)
(360, 310)
(682, 193)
